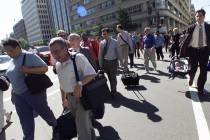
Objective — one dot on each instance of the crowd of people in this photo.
(108, 54)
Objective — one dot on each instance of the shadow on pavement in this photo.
(106, 132)
(151, 78)
(139, 87)
(161, 73)
(137, 106)
(202, 98)
(166, 60)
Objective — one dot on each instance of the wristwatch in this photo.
(79, 83)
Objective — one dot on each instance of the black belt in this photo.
(70, 93)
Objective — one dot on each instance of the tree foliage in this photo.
(96, 30)
(125, 20)
(23, 43)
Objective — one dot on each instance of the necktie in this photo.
(200, 37)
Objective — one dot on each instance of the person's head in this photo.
(157, 33)
(200, 16)
(119, 28)
(74, 40)
(62, 33)
(59, 48)
(105, 33)
(147, 30)
(175, 30)
(184, 32)
(12, 47)
(84, 36)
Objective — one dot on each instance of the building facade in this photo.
(157, 14)
(37, 21)
(20, 30)
(60, 15)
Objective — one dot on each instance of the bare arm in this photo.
(78, 87)
(34, 70)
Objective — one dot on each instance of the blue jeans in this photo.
(25, 105)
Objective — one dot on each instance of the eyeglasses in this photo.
(62, 35)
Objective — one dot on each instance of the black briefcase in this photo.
(130, 79)
(66, 126)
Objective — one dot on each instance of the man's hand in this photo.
(78, 91)
(24, 69)
(65, 103)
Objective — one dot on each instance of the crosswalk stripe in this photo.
(201, 123)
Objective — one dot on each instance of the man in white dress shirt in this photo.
(70, 88)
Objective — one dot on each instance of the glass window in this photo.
(75, 17)
(91, 11)
(160, 3)
(87, 1)
(74, 7)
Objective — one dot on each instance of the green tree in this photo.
(125, 20)
(80, 31)
(23, 43)
(96, 30)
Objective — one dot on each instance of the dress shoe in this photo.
(202, 93)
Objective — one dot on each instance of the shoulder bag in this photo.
(94, 93)
(125, 42)
(36, 82)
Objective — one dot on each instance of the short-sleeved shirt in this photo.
(14, 74)
(66, 73)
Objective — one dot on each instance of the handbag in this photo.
(36, 82)
(94, 93)
(4, 83)
(66, 125)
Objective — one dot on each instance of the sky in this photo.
(10, 13)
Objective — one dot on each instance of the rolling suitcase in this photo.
(130, 79)
(66, 125)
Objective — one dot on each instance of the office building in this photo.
(60, 15)
(157, 14)
(37, 21)
(20, 30)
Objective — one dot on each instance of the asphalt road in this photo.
(159, 109)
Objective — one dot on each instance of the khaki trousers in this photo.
(84, 126)
(149, 54)
(124, 49)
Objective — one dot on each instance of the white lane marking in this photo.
(201, 123)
